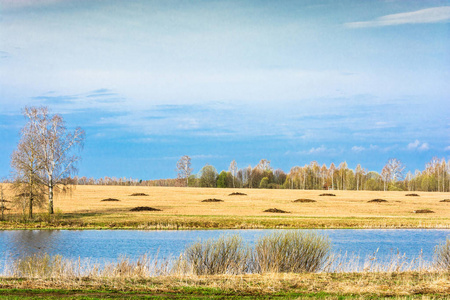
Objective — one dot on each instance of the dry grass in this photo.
(140, 277)
(182, 208)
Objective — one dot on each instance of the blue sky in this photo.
(288, 81)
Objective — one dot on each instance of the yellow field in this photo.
(182, 207)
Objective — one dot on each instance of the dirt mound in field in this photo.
(413, 195)
(445, 200)
(327, 194)
(139, 194)
(304, 200)
(144, 208)
(423, 211)
(237, 194)
(110, 199)
(377, 200)
(212, 200)
(276, 210)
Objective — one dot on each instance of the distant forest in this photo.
(435, 177)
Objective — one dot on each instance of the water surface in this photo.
(108, 245)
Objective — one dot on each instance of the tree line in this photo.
(434, 177)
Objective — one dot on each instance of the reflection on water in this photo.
(28, 242)
(108, 245)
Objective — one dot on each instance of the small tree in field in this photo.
(55, 146)
(184, 168)
(27, 167)
(233, 170)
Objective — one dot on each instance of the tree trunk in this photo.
(30, 202)
(3, 204)
(50, 195)
(30, 208)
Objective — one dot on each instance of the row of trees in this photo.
(435, 177)
(44, 158)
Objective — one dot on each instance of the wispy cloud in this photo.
(428, 15)
(14, 4)
(417, 145)
(447, 148)
(320, 149)
(358, 148)
(100, 99)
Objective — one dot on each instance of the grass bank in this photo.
(409, 285)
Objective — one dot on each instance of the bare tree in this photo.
(358, 174)
(27, 166)
(264, 165)
(395, 168)
(184, 168)
(57, 147)
(233, 170)
(385, 176)
(2, 202)
(332, 169)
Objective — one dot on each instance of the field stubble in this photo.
(182, 208)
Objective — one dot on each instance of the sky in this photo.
(287, 81)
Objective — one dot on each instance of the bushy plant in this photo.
(291, 251)
(226, 255)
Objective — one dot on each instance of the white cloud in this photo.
(416, 145)
(428, 15)
(447, 148)
(413, 145)
(320, 149)
(358, 148)
(424, 147)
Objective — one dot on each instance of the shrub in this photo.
(291, 251)
(442, 256)
(226, 255)
(264, 183)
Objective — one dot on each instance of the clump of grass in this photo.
(237, 194)
(212, 200)
(304, 200)
(292, 251)
(423, 211)
(110, 200)
(442, 256)
(445, 200)
(412, 195)
(327, 194)
(276, 210)
(226, 255)
(139, 194)
(41, 265)
(377, 201)
(144, 208)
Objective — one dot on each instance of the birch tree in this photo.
(57, 148)
(395, 168)
(184, 168)
(233, 170)
(26, 162)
